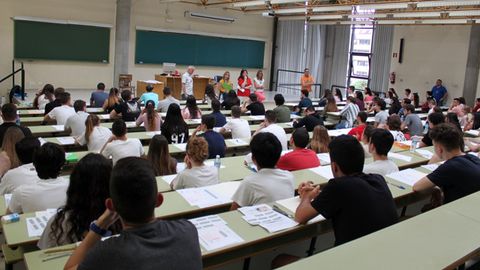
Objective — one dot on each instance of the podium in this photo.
(175, 84)
(157, 87)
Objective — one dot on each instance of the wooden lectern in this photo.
(157, 88)
(175, 84)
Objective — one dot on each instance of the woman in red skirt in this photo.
(244, 84)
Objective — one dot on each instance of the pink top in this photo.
(458, 110)
(186, 114)
(144, 119)
(368, 98)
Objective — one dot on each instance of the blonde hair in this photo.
(197, 149)
(11, 137)
(320, 140)
(91, 122)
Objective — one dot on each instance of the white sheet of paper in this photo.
(153, 133)
(66, 140)
(431, 167)
(181, 166)
(338, 132)
(131, 124)
(169, 178)
(238, 141)
(46, 213)
(214, 233)
(424, 153)
(292, 203)
(225, 190)
(202, 197)
(267, 218)
(399, 157)
(407, 143)
(324, 158)
(181, 146)
(58, 127)
(104, 116)
(257, 117)
(324, 171)
(290, 124)
(194, 121)
(36, 225)
(8, 198)
(473, 132)
(408, 176)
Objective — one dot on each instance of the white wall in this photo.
(146, 13)
(431, 52)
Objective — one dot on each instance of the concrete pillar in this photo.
(122, 38)
(473, 66)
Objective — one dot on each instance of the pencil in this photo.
(56, 257)
(52, 251)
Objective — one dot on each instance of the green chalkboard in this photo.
(153, 47)
(54, 41)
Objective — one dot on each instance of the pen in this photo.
(395, 185)
(280, 211)
(56, 257)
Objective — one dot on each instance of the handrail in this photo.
(22, 77)
(11, 74)
(291, 84)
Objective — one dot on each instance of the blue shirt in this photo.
(149, 96)
(305, 102)
(438, 93)
(98, 97)
(216, 143)
(220, 119)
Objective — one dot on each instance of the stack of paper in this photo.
(257, 117)
(399, 157)
(408, 176)
(58, 127)
(66, 140)
(424, 153)
(324, 171)
(267, 218)
(8, 198)
(338, 132)
(292, 204)
(208, 196)
(324, 158)
(214, 233)
(36, 225)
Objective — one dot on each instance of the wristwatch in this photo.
(102, 232)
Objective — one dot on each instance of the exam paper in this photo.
(214, 233)
(225, 190)
(66, 140)
(8, 198)
(324, 171)
(36, 225)
(202, 197)
(58, 127)
(338, 132)
(181, 146)
(169, 178)
(399, 157)
(408, 176)
(257, 117)
(264, 216)
(324, 158)
(424, 153)
(292, 203)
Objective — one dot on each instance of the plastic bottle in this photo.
(414, 145)
(218, 162)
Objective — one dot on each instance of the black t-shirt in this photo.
(51, 105)
(157, 245)
(256, 108)
(228, 103)
(427, 140)
(309, 121)
(358, 205)
(6, 125)
(458, 177)
(130, 110)
(216, 143)
(175, 134)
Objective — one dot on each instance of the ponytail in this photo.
(91, 122)
(151, 114)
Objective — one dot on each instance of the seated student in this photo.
(300, 158)
(366, 136)
(231, 99)
(174, 127)
(209, 94)
(95, 136)
(112, 101)
(86, 195)
(348, 113)
(24, 174)
(253, 105)
(119, 146)
(381, 143)
(49, 190)
(151, 120)
(412, 121)
(128, 110)
(459, 176)
(97, 99)
(404, 102)
(269, 125)
(56, 102)
(216, 142)
(268, 184)
(167, 100)
(282, 112)
(43, 97)
(320, 140)
(452, 118)
(359, 100)
(220, 119)
(9, 116)
(63, 112)
(159, 156)
(310, 120)
(331, 106)
(76, 122)
(237, 126)
(196, 174)
(357, 203)
(457, 107)
(395, 106)
(10, 139)
(149, 95)
(381, 114)
(434, 119)
(304, 100)
(191, 110)
(145, 242)
(394, 125)
(361, 124)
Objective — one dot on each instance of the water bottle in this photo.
(217, 163)
(413, 146)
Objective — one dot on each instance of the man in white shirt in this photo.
(62, 113)
(119, 146)
(381, 142)
(165, 103)
(187, 82)
(76, 122)
(239, 127)
(50, 190)
(268, 184)
(24, 174)
(269, 125)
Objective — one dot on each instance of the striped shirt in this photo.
(349, 113)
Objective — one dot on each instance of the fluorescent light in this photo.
(326, 17)
(397, 22)
(424, 22)
(456, 21)
(332, 8)
(366, 16)
(464, 13)
(448, 3)
(275, 2)
(357, 22)
(249, 3)
(290, 10)
(385, 6)
(416, 14)
(291, 18)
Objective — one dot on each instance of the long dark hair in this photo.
(452, 118)
(210, 92)
(241, 72)
(159, 156)
(47, 90)
(192, 107)
(174, 118)
(151, 114)
(338, 94)
(476, 120)
(86, 195)
(395, 106)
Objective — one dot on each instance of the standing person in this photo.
(225, 85)
(216, 142)
(128, 110)
(253, 105)
(237, 126)
(381, 115)
(56, 102)
(301, 157)
(9, 116)
(357, 131)
(380, 144)
(112, 101)
(412, 121)
(43, 97)
(305, 101)
(95, 136)
(151, 120)
(310, 121)
(220, 119)
(145, 242)
(167, 100)
(149, 95)
(191, 110)
(174, 127)
(259, 86)
(119, 146)
(320, 140)
(98, 97)
(282, 112)
(76, 122)
(244, 84)
(269, 125)
(63, 112)
(439, 93)
(86, 194)
(159, 156)
(230, 100)
(187, 82)
(307, 80)
(348, 114)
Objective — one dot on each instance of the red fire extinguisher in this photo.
(392, 77)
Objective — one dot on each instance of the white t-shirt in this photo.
(265, 186)
(398, 136)
(39, 196)
(76, 123)
(42, 101)
(61, 114)
(196, 177)
(25, 174)
(98, 138)
(259, 82)
(239, 128)
(382, 167)
(188, 81)
(120, 149)
(279, 132)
